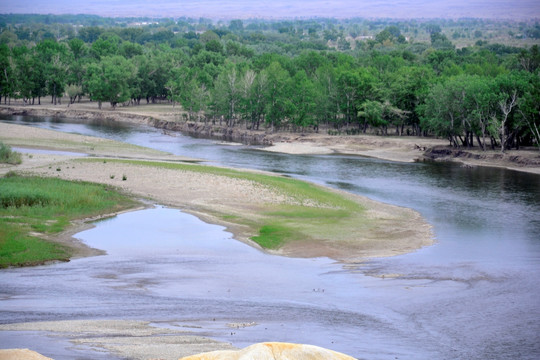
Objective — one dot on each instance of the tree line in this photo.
(487, 95)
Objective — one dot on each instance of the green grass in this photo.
(30, 205)
(273, 236)
(8, 156)
(331, 217)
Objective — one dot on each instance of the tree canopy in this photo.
(293, 75)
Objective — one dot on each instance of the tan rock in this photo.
(273, 351)
(21, 354)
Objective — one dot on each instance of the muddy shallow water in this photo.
(473, 295)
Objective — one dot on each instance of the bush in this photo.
(7, 156)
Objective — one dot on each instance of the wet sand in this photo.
(124, 338)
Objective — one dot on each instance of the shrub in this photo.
(9, 156)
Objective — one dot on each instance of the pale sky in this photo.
(230, 9)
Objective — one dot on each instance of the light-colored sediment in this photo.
(117, 337)
(394, 230)
(273, 351)
(130, 339)
(21, 354)
(402, 149)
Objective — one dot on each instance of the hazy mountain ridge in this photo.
(228, 9)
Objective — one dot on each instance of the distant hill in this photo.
(229, 9)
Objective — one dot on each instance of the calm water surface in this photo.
(473, 295)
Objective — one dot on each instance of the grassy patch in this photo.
(317, 213)
(31, 205)
(8, 156)
(274, 235)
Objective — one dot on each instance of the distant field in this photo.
(227, 9)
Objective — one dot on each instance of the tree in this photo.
(443, 110)
(326, 101)
(372, 112)
(440, 41)
(277, 94)
(227, 94)
(302, 101)
(184, 88)
(407, 89)
(507, 103)
(481, 104)
(6, 72)
(109, 80)
(530, 60)
(236, 25)
(253, 102)
(355, 86)
(510, 89)
(107, 45)
(54, 59)
(89, 34)
(529, 108)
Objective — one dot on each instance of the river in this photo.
(473, 295)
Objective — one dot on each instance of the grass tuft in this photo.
(8, 156)
(273, 236)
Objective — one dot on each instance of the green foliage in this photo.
(293, 75)
(108, 80)
(46, 205)
(8, 156)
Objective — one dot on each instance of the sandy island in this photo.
(395, 230)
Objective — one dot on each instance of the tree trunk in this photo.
(480, 143)
(506, 109)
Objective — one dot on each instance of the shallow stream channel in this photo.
(475, 294)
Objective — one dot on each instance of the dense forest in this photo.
(446, 78)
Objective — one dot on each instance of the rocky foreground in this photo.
(273, 351)
(262, 351)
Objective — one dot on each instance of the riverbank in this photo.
(393, 148)
(245, 202)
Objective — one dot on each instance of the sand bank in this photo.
(392, 230)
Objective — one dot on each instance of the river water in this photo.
(475, 294)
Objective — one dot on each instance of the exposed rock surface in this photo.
(21, 354)
(273, 351)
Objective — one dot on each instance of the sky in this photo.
(242, 9)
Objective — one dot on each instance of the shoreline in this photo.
(390, 148)
(235, 203)
(106, 334)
